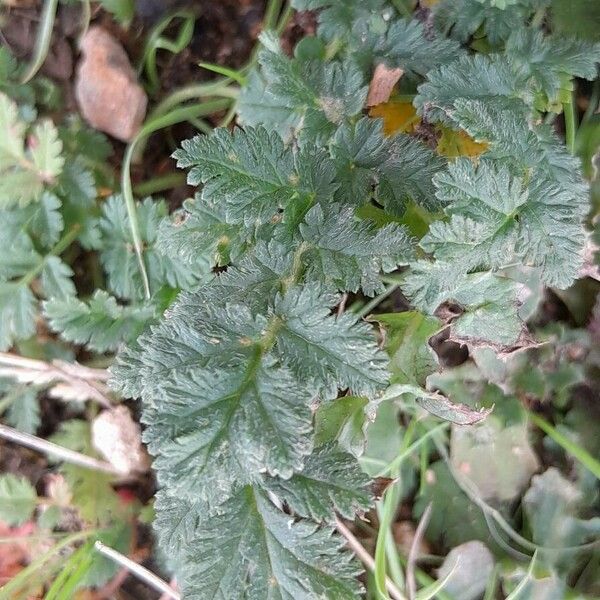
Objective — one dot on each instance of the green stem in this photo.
(388, 507)
(16, 583)
(171, 118)
(575, 450)
(402, 8)
(42, 42)
(271, 13)
(377, 300)
(159, 184)
(538, 17)
(221, 88)
(570, 123)
(285, 19)
(58, 249)
(425, 580)
(593, 103)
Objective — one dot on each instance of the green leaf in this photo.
(395, 170)
(491, 79)
(46, 221)
(256, 419)
(122, 10)
(199, 236)
(56, 279)
(118, 255)
(330, 481)
(553, 507)
(308, 98)
(17, 499)
(496, 458)
(77, 191)
(548, 59)
(343, 420)
(17, 253)
(408, 45)
(24, 410)
(577, 18)
(463, 18)
(251, 550)
(17, 313)
(100, 324)
(407, 343)
(350, 253)
(482, 305)
(25, 171)
(469, 567)
(253, 173)
(496, 221)
(454, 518)
(334, 352)
(93, 495)
(45, 150)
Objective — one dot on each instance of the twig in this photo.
(411, 583)
(78, 382)
(49, 448)
(173, 584)
(138, 571)
(366, 558)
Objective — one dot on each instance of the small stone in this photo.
(109, 96)
(118, 438)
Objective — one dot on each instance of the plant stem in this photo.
(570, 123)
(51, 449)
(363, 312)
(402, 8)
(16, 583)
(271, 13)
(42, 42)
(575, 450)
(58, 249)
(220, 88)
(152, 125)
(285, 19)
(159, 184)
(138, 571)
(366, 558)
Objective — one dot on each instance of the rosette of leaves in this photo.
(231, 375)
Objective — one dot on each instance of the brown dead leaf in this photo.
(461, 414)
(383, 82)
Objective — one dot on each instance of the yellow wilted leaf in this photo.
(454, 143)
(397, 116)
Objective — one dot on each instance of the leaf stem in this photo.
(363, 312)
(152, 125)
(51, 449)
(575, 450)
(14, 585)
(42, 42)
(57, 250)
(138, 571)
(159, 184)
(366, 558)
(570, 123)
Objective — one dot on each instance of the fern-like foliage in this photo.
(232, 374)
